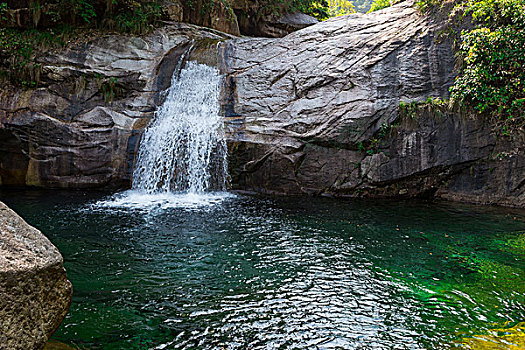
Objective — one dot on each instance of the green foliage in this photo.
(132, 16)
(18, 51)
(411, 110)
(425, 5)
(340, 7)
(373, 145)
(137, 17)
(491, 79)
(70, 10)
(84, 9)
(362, 6)
(380, 4)
(496, 13)
(493, 76)
(108, 88)
(36, 10)
(3, 12)
(316, 8)
(408, 109)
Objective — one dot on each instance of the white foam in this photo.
(142, 200)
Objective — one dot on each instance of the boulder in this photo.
(242, 17)
(34, 291)
(217, 15)
(280, 26)
(252, 23)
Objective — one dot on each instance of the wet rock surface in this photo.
(34, 291)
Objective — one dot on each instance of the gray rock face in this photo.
(81, 127)
(336, 82)
(301, 111)
(272, 26)
(34, 291)
(305, 114)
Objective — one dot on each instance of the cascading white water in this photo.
(183, 148)
(182, 155)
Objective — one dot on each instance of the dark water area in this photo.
(285, 273)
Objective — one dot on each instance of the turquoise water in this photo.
(284, 273)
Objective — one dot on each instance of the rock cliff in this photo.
(34, 291)
(316, 112)
(81, 126)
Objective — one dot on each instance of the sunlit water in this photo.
(275, 273)
(145, 201)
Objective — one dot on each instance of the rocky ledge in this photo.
(34, 291)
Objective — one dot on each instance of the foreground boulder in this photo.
(318, 112)
(34, 291)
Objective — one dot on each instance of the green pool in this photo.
(241, 272)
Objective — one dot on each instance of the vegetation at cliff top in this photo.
(381, 4)
(362, 6)
(491, 77)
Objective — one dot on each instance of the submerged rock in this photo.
(34, 291)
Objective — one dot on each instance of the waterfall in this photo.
(183, 148)
(181, 161)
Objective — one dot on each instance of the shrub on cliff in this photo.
(340, 7)
(316, 8)
(362, 6)
(492, 77)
